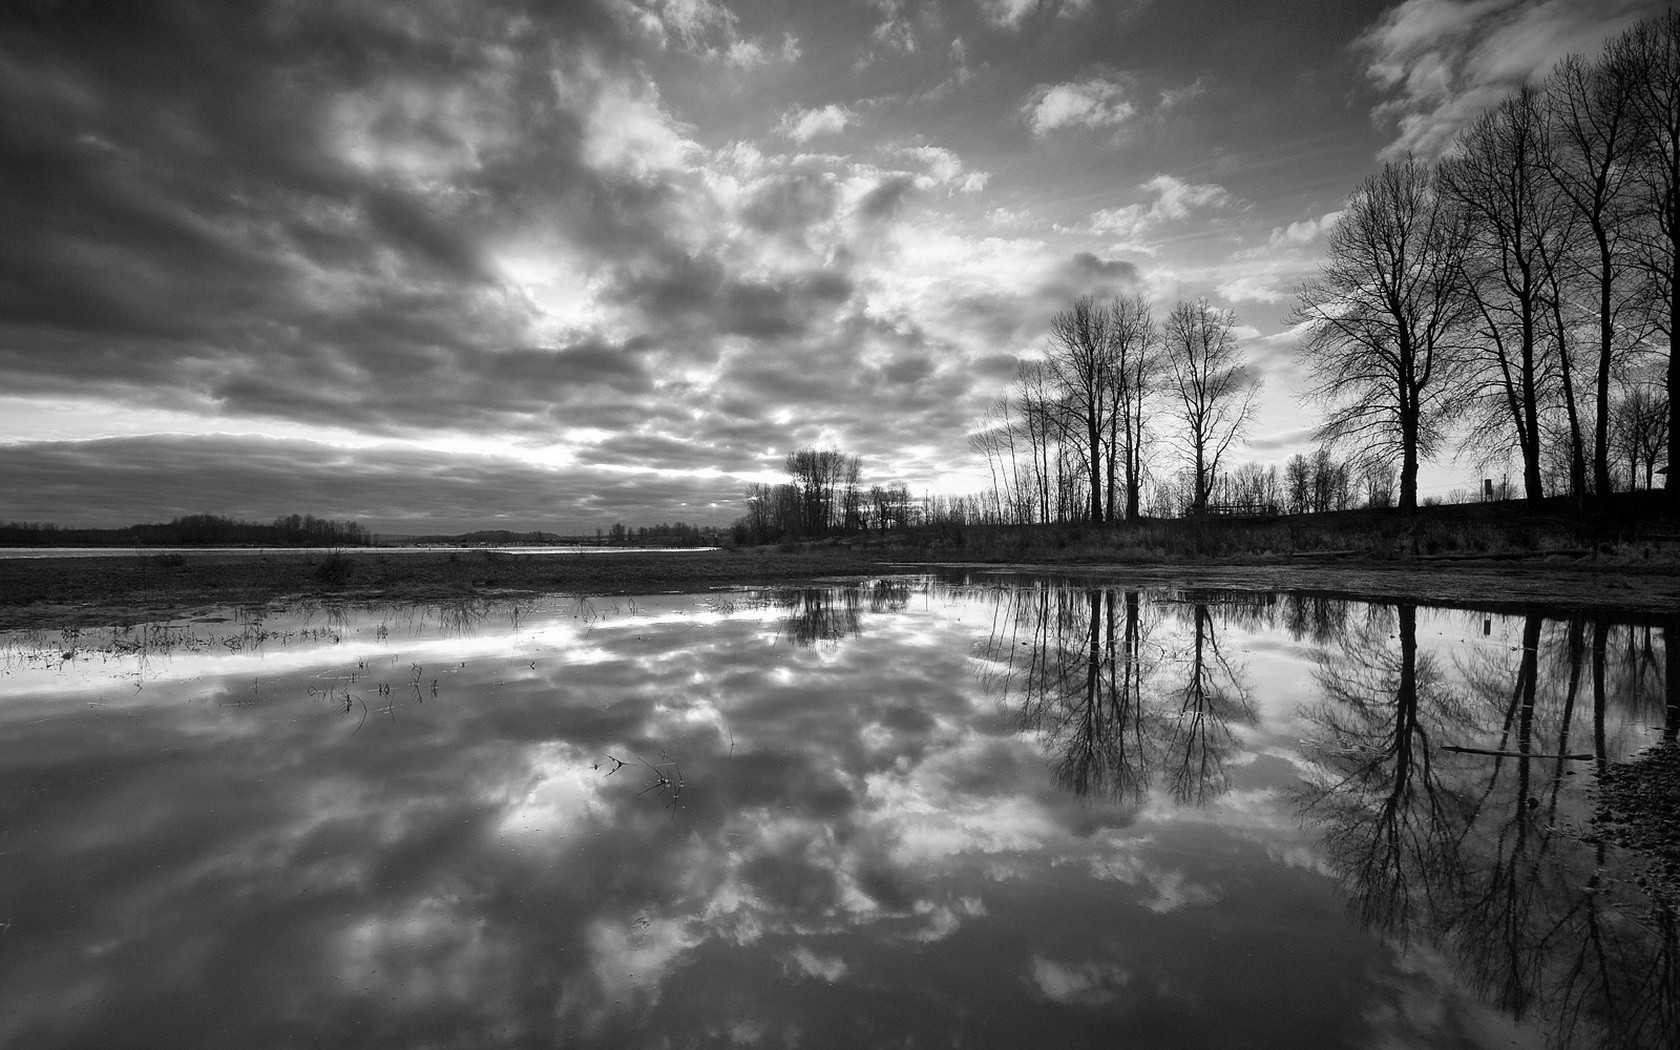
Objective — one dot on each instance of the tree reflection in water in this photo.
(1436, 784)
(1121, 706)
(833, 614)
(1473, 851)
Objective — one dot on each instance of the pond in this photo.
(985, 810)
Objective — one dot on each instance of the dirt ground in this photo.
(60, 592)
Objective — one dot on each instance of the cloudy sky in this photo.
(451, 264)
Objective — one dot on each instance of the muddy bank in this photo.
(57, 592)
(1638, 808)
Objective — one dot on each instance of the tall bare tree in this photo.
(1211, 388)
(1136, 353)
(1081, 360)
(1497, 178)
(1651, 51)
(1588, 154)
(1385, 320)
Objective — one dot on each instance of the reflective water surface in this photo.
(979, 811)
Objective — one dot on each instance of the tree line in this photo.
(1515, 301)
(1519, 295)
(194, 530)
(824, 496)
(1071, 439)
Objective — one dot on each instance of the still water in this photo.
(978, 811)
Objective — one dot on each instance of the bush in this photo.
(336, 569)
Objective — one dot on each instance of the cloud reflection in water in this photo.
(1005, 816)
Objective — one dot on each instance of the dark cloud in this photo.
(887, 197)
(1286, 439)
(289, 211)
(787, 204)
(534, 222)
(1086, 274)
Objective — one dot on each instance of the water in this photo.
(990, 811)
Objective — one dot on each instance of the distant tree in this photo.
(1255, 487)
(1639, 431)
(1297, 484)
(1384, 321)
(1212, 391)
(826, 481)
(1377, 478)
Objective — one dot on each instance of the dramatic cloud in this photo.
(1446, 61)
(632, 245)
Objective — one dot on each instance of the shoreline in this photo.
(78, 591)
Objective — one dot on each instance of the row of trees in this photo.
(679, 534)
(823, 496)
(1304, 485)
(1069, 441)
(195, 530)
(1519, 295)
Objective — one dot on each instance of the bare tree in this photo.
(1297, 484)
(1588, 154)
(1212, 390)
(1639, 430)
(818, 476)
(1651, 52)
(1080, 359)
(1135, 344)
(1384, 321)
(1496, 177)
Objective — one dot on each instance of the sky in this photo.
(440, 266)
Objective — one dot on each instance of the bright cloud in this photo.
(1174, 200)
(1092, 103)
(806, 124)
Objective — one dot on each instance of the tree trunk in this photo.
(1533, 487)
(1606, 333)
(1672, 481)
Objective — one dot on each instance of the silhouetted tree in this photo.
(1497, 178)
(1650, 52)
(1213, 392)
(1588, 153)
(1384, 321)
(1081, 360)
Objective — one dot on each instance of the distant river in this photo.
(118, 552)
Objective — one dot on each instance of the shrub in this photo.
(336, 569)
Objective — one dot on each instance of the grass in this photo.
(1629, 529)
